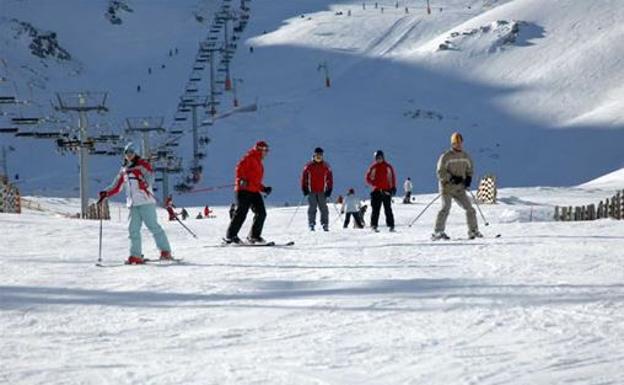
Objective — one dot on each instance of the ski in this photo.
(248, 244)
(147, 261)
(442, 240)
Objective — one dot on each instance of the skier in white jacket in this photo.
(136, 178)
(408, 187)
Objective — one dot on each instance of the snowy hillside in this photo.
(534, 86)
(540, 305)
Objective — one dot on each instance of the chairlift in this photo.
(8, 100)
(25, 134)
(25, 121)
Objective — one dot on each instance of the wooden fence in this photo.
(610, 208)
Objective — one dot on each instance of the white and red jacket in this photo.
(136, 178)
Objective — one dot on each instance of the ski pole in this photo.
(100, 248)
(177, 219)
(479, 208)
(183, 225)
(425, 209)
(295, 213)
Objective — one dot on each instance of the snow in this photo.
(540, 305)
(611, 181)
(558, 85)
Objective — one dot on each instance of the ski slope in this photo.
(558, 84)
(540, 305)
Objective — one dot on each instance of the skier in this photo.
(184, 214)
(382, 179)
(351, 208)
(248, 186)
(169, 206)
(207, 211)
(232, 210)
(455, 170)
(407, 187)
(316, 183)
(136, 177)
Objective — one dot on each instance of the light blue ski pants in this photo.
(139, 215)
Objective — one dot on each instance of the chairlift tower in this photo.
(82, 103)
(145, 126)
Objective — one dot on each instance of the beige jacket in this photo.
(453, 163)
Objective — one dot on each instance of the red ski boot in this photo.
(165, 256)
(134, 260)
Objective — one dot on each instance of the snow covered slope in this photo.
(540, 305)
(534, 86)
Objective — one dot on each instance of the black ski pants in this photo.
(244, 201)
(356, 218)
(378, 198)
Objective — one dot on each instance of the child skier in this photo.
(351, 207)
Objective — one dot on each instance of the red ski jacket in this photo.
(317, 177)
(249, 172)
(381, 176)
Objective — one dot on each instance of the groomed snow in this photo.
(543, 304)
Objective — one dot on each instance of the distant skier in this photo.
(248, 186)
(351, 208)
(136, 177)
(407, 187)
(184, 214)
(169, 206)
(207, 211)
(455, 170)
(382, 179)
(232, 210)
(316, 183)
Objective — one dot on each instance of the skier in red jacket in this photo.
(382, 179)
(248, 186)
(316, 183)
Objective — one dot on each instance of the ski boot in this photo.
(165, 255)
(256, 240)
(391, 229)
(134, 260)
(325, 227)
(439, 235)
(311, 226)
(374, 229)
(236, 240)
(474, 234)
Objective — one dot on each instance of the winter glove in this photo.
(305, 191)
(267, 190)
(328, 193)
(468, 181)
(103, 195)
(242, 183)
(456, 179)
(393, 191)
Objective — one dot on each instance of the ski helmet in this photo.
(318, 150)
(456, 137)
(379, 154)
(129, 149)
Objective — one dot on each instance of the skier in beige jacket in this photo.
(455, 169)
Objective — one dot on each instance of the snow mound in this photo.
(611, 181)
